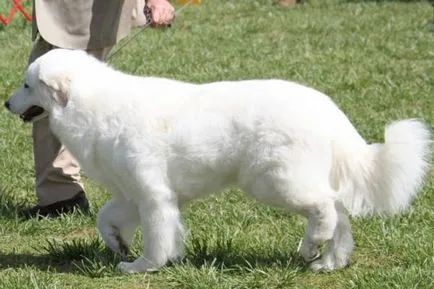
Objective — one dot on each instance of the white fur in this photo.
(158, 143)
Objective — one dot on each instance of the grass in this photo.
(374, 58)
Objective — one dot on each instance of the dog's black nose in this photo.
(7, 105)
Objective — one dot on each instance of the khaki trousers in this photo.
(139, 18)
(57, 172)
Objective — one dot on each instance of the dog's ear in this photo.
(59, 86)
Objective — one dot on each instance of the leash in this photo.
(148, 15)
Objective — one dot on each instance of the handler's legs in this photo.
(58, 186)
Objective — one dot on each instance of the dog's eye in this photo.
(26, 85)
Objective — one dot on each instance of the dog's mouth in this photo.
(31, 113)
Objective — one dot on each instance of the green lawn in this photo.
(374, 58)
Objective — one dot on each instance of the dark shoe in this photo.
(78, 202)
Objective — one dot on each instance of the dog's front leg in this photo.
(117, 222)
(163, 233)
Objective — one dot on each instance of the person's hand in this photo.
(162, 12)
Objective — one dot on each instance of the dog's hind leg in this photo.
(322, 221)
(338, 250)
(117, 222)
(299, 181)
(315, 202)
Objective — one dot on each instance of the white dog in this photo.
(158, 143)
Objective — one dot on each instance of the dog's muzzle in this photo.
(30, 113)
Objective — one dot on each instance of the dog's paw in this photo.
(115, 243)
(309, 251)
(137, 266)
(322, 265)
(126, 267)
(328, 263)
(121, 248)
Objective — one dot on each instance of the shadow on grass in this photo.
(42, 262)
(91, 258)
(77, 256)
(10, 210)
(11, 206)
(225, 255)
(246, 261)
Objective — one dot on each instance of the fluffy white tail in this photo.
(384, 178)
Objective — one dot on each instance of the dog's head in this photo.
(47, 84)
